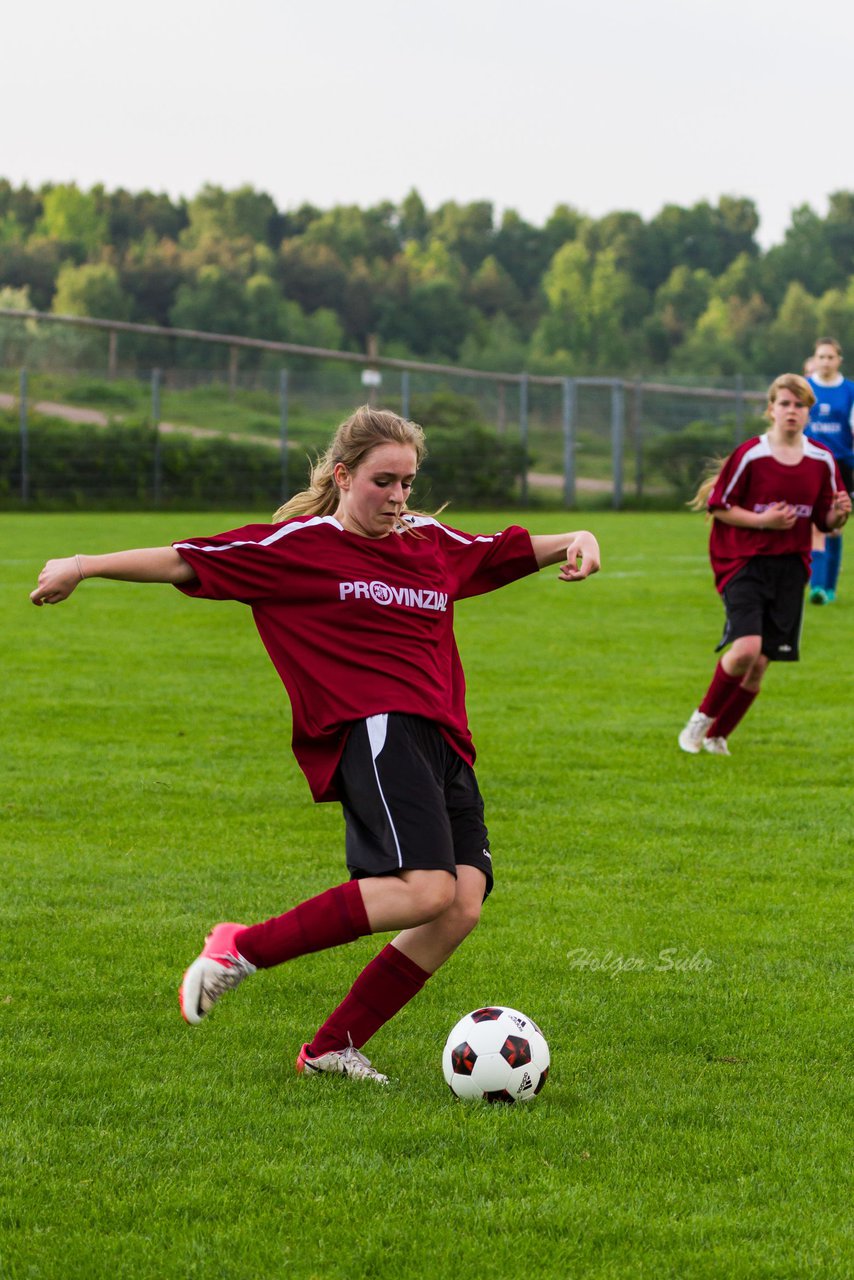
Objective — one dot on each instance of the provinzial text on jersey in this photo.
(801, 509)
(382, 593)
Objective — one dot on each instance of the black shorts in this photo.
(410, 802)
(766, 598)
(847, 473)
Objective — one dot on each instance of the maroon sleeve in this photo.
(238, 565)
(734, 474)
(481, 563)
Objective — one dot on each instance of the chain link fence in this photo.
(102, 413)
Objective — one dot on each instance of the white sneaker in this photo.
(345, 1062)
(716, 746)
(692, 737)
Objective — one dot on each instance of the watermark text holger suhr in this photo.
(668, 960)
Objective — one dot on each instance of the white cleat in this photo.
(218, 969)
(343, 1062)
(716, 746)
(693, 736)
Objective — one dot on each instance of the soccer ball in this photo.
(498, 1054)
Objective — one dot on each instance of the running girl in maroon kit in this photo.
(353, 598)
(762, 503)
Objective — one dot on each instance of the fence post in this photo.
(739, 408)
(618, 414)
(373, 350)
(155, 422)
(523, 438)
(502, 408)
(25, 437)
(113, 354)
(637, 434)
(404, 394)
(569, 407)
(283, 431)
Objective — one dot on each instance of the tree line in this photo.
(688, 291)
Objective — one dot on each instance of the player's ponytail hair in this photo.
(803, 393)
(700, 500)
(351, 444)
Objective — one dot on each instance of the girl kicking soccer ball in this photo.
(762, 502)
(353, 597)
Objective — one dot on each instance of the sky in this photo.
(613, 105)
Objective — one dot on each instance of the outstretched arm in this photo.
(58, 578)
(579, 553)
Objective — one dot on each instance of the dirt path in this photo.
(95, 418)
(70, 412)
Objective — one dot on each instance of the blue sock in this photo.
(833, 553)
(818, 577)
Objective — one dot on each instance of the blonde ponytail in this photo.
(321, 496)
(700, 500)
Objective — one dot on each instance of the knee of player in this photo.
(466, 916)
(745, 653)
(434, 894)
(757, 670)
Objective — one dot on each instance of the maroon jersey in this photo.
(358, 626)
(752, 478)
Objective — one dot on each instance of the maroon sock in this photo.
(333, 917)
(380, 991)
(737, 707)
(719, 692)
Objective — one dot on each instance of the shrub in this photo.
(471, 468)
(81, 467)
(683, 458)
(77, 466)
(111, 395)
(445, 409)
(466, 463)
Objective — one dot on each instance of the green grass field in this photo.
(694, 1124)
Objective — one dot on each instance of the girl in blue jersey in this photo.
(831, 419)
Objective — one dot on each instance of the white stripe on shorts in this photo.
(377, 727)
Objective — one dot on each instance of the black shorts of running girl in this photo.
(847, 473)
(766, 598)
(410, 802)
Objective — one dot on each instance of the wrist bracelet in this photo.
(79, 570)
